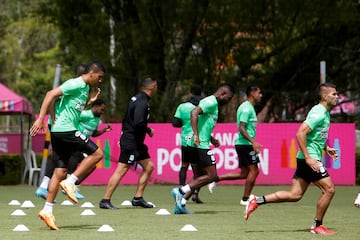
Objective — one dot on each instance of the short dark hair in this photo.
(95, 66)
(250, 89)
(195, 90)
(98, 102)
(147, 82)
(80, 70)
(229, 86)
(321, 86)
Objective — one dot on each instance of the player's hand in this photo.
(215, 142)
(108, 128)
(196, 140)
(151, 132)
(332, 153)
(313, 164)
(94, 95)
(256, 146)
(36, 127)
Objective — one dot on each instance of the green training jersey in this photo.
(207, 121)
(75, 94)
(183, 112)
(318, 119)
(88, 123)
(246, 114)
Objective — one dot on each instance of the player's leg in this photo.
(42, 190)
(327, 193)
(147, 169)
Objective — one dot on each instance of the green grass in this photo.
(220, 217)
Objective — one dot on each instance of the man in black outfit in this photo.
(133, 149)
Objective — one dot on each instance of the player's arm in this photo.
(242, 129)
(140, 119)
(194, 119)
(304, 130)
(97, 133)
(49, 98)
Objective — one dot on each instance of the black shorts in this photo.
(246, 155)
(129, 156)
(65, 144)
(205, 158)
(189, 154)
(305, 172)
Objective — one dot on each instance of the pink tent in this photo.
(12, 103)
(12, 142)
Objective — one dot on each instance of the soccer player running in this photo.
(133, 149)
(89, 122)
(66, 138)
(246, 146)
(203, 120)
(181, 120)
(311, 137)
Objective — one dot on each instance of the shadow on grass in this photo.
(205, 212)
(278, 231)
(79, 226)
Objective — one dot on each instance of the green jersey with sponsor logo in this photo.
(88, 123)
(75, 95)
(183, 112)
(246, 114)
(207, 121)
(318, 119)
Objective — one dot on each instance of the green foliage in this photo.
(275, 44)
(12, 166)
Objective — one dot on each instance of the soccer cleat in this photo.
(321, 230)
(141, 203)
(211, 186)
(106, 204)
(48, 219)
(243, 203)
(251, 206)
(77, 194)
(196, 199)
(357, 201)
(41, 192)
(69, 189)
(181, 211)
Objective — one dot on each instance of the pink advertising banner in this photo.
(277, 157)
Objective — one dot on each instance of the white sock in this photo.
(45, 182)
(68, 175)
(72, 178)
(48, 208)
(183, 201)
(186, 188)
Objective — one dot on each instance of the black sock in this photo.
(105, 200)
(182, 175)
(245, 199)
(317, 222)
(216, 179)
(138, 198)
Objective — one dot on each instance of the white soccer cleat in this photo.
(211, 186)
(243, 203)
(357, 201)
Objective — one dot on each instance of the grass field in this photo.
(220, 217)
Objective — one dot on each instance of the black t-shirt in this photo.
(134, 126)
